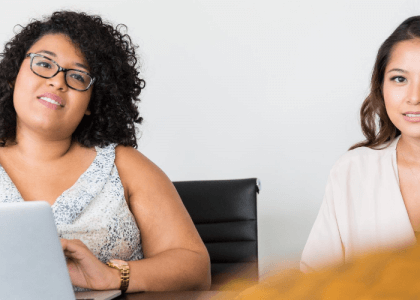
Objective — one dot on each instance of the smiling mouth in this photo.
(50, 101)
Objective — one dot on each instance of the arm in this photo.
(175, 256)
(324, 246)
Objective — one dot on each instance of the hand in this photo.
(86, 271)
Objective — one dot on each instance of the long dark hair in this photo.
(112, 59)
(373, 113)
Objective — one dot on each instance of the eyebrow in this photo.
(398, 70)
(55, 55)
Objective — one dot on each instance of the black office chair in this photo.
(225, 215)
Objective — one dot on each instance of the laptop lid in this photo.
(33, 264)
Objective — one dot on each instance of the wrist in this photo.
(115, 281)
(123, 270)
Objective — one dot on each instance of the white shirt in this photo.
(362, 210)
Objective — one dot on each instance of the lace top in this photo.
(93, 210)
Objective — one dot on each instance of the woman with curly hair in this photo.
(372, 196)
(69, 86)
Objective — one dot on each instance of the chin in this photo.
(411, 134)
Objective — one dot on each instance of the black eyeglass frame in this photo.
(60, 69)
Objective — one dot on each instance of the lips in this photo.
(412, 116)
(417, 113)
(51, 100)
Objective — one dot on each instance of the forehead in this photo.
(61, 45)
(406, 55)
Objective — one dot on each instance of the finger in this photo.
(70, 247)
(74, 242)
(64, 243)
(80, 243)
(77, 250)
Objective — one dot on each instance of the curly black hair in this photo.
(112, 60)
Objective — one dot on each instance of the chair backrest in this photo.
(225, 215)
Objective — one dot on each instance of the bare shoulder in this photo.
(128, 159)
(140, 176)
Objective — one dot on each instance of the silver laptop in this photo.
(33, 265)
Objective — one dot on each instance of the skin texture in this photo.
(401, 90)
(45, 162)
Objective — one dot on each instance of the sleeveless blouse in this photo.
(93, 210)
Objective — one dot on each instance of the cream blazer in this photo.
(362, 210)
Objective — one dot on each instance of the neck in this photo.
(410, 149)
(35, 149)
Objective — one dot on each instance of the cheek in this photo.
(393, 97)
(78, 106)
(23, 85)
(86, 101)
(19, 91)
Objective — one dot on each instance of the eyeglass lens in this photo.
(46, 68)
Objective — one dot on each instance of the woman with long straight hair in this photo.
(372, 198)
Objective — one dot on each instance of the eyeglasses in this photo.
(47, 68)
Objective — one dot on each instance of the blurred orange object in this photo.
(383, 275)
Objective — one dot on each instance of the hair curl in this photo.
(112, 60)
(373, 109)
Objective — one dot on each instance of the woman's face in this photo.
(33, 94)
(401, 87)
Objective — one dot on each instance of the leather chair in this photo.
(225, 215)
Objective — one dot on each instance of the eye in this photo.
(398, 79)
(77, 77)
(43, 64)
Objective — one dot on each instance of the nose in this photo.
(414, 92)
(58, 81)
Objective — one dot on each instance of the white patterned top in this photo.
(93, 210)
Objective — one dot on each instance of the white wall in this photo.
(237, 89)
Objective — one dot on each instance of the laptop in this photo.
(33, 265)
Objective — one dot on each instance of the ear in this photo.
(87, 112)
(12, 84)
